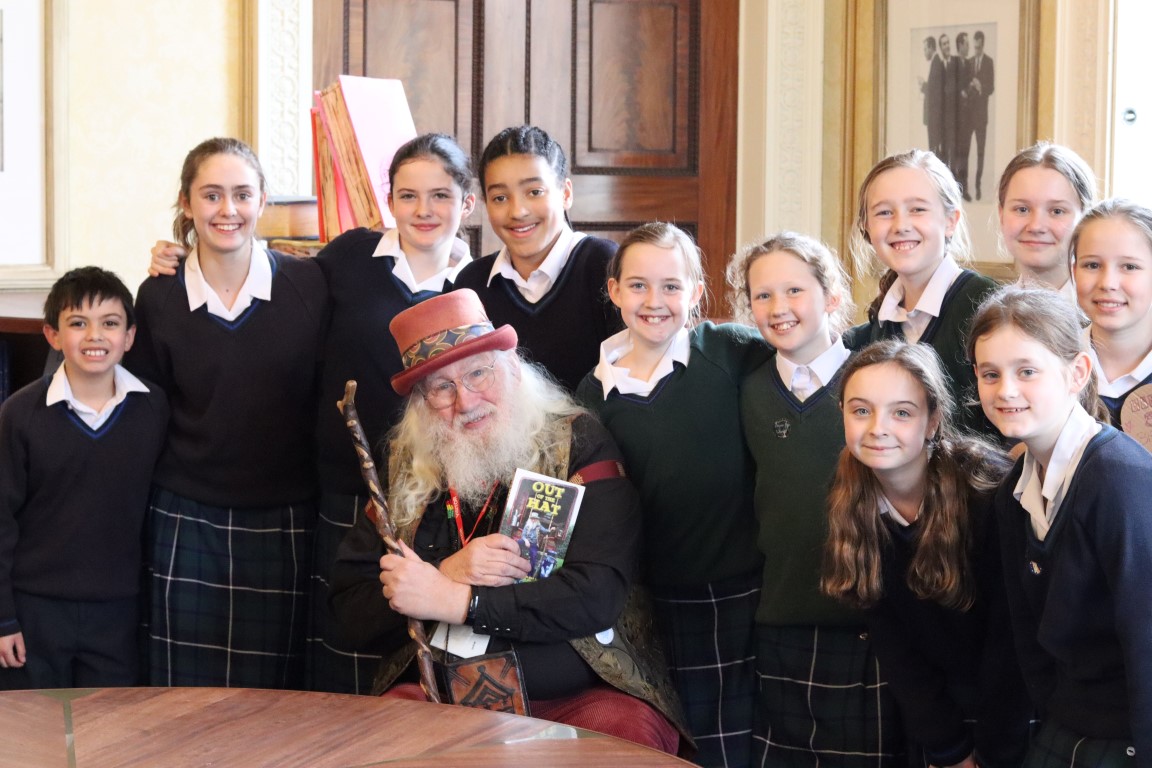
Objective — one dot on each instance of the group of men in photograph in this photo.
(956, 95)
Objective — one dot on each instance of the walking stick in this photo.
(387, 530)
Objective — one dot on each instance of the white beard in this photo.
(472, 463)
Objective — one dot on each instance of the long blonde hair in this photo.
(959, 466)
(958, 245)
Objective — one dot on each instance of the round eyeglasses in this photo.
(441, 393)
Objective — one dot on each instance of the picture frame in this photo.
(32, 103)
(919, 104)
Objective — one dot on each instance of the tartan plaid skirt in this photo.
(822, 701)
(331, 667)
(708, 641)
(1056, 746)
(228, 593)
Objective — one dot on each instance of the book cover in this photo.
(381, 123)
(321, 170)
(367, 120)
(540, 515)
(338, 216)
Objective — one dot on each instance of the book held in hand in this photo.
(540, 515)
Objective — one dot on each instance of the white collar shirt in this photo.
(1067, 291)
(613, 376)
(60, 390)
(915, 321)
(822, 369)
(542, 279)
(257, 285)
(389, 245)
(886, 508)
(1124, 383)
(1041, 499)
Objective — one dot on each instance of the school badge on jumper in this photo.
(782, 426)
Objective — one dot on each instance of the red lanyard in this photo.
(457, 512)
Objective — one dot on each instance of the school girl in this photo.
(669, 390)
(546, 281)
(1075, 533)
(371, 277)
(234, 340)
(909, 216)
(912, 541)
(1043, 192)
(820, 695)
(1113, 252)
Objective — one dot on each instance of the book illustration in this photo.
(539, 516)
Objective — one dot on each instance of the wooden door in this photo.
(640, 93)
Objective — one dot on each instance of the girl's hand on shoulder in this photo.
(12, 655)
(165, 258)
(490, 561)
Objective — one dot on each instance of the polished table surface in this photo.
(176, 727)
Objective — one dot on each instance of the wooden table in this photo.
(176, 727)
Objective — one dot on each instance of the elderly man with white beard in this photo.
(475, 413)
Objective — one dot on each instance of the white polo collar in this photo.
(612, 376)
(544, 276)
(459, 258)
(824, 367)
(60, 390)
(931, 301)
(257, 285)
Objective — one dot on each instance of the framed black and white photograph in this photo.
(959, 79)
(23, 167)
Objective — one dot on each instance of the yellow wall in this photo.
(145, 82)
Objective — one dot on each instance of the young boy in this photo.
(77, 451)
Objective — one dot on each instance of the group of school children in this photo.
(847, 567)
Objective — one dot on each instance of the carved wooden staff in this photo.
(387, 531)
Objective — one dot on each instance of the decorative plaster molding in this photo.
(284, 94)
(782, 123)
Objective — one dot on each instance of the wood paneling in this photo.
(505, 71)
(327, 41)
(640, 93)
(633, 103)
(719, 73)
(418, 42)
(598, 198)
(550, 75)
